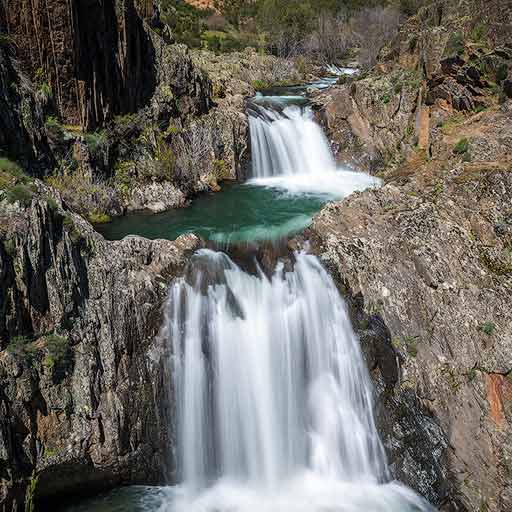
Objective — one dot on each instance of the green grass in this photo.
(487, 328)
(461, 147)
(19, 194)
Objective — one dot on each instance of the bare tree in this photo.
(372, 28)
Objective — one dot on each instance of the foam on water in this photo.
(290, 151)
(274, 401)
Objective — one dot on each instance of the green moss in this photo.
(461, 147)
(19, 194)
(487, 328)
(98, 218)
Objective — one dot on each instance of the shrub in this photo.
(70, 227)
(96, 142)
(98, 218)
(5, 39)
(57, 349)
(10, 172)
(487, 328)
(411, 345)
(22, 347)
(124, 177)
(461, 147)
(45, 91)
(81, 193)
(10, 247)
(11, 168)
(52, 204)
(54, 130)
(501, 73)
(259, 85)
(479, 32)
(19, 193)
(455, 45)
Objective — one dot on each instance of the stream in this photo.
(274, 403)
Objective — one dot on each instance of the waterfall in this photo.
(288, 142)
(290, 151)
(274, 402)
(274, 405)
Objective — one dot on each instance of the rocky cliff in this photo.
(428, 254)
(82, 382)
(96, 56)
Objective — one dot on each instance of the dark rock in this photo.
(100, 416)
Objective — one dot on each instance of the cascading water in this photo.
(287, 143)
(290, 151)
(274, 401)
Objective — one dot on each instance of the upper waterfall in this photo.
(288, 142)
(291, 152)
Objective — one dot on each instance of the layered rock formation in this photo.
(429, 253)
(22, 133)
(96, 56)
(81, 375)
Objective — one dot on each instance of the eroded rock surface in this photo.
(429, 253)
(82, 394)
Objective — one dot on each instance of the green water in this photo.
(128, 499)
(240, 213)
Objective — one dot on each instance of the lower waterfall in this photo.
(274, 401)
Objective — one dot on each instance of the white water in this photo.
(290, 151)
(273, 397)
(274, 401)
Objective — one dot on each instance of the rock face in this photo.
(429, 254)
(22, 132)
(425, 260)
(96, 55)
(83, 394)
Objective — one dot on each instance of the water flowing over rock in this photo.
(274, 401)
